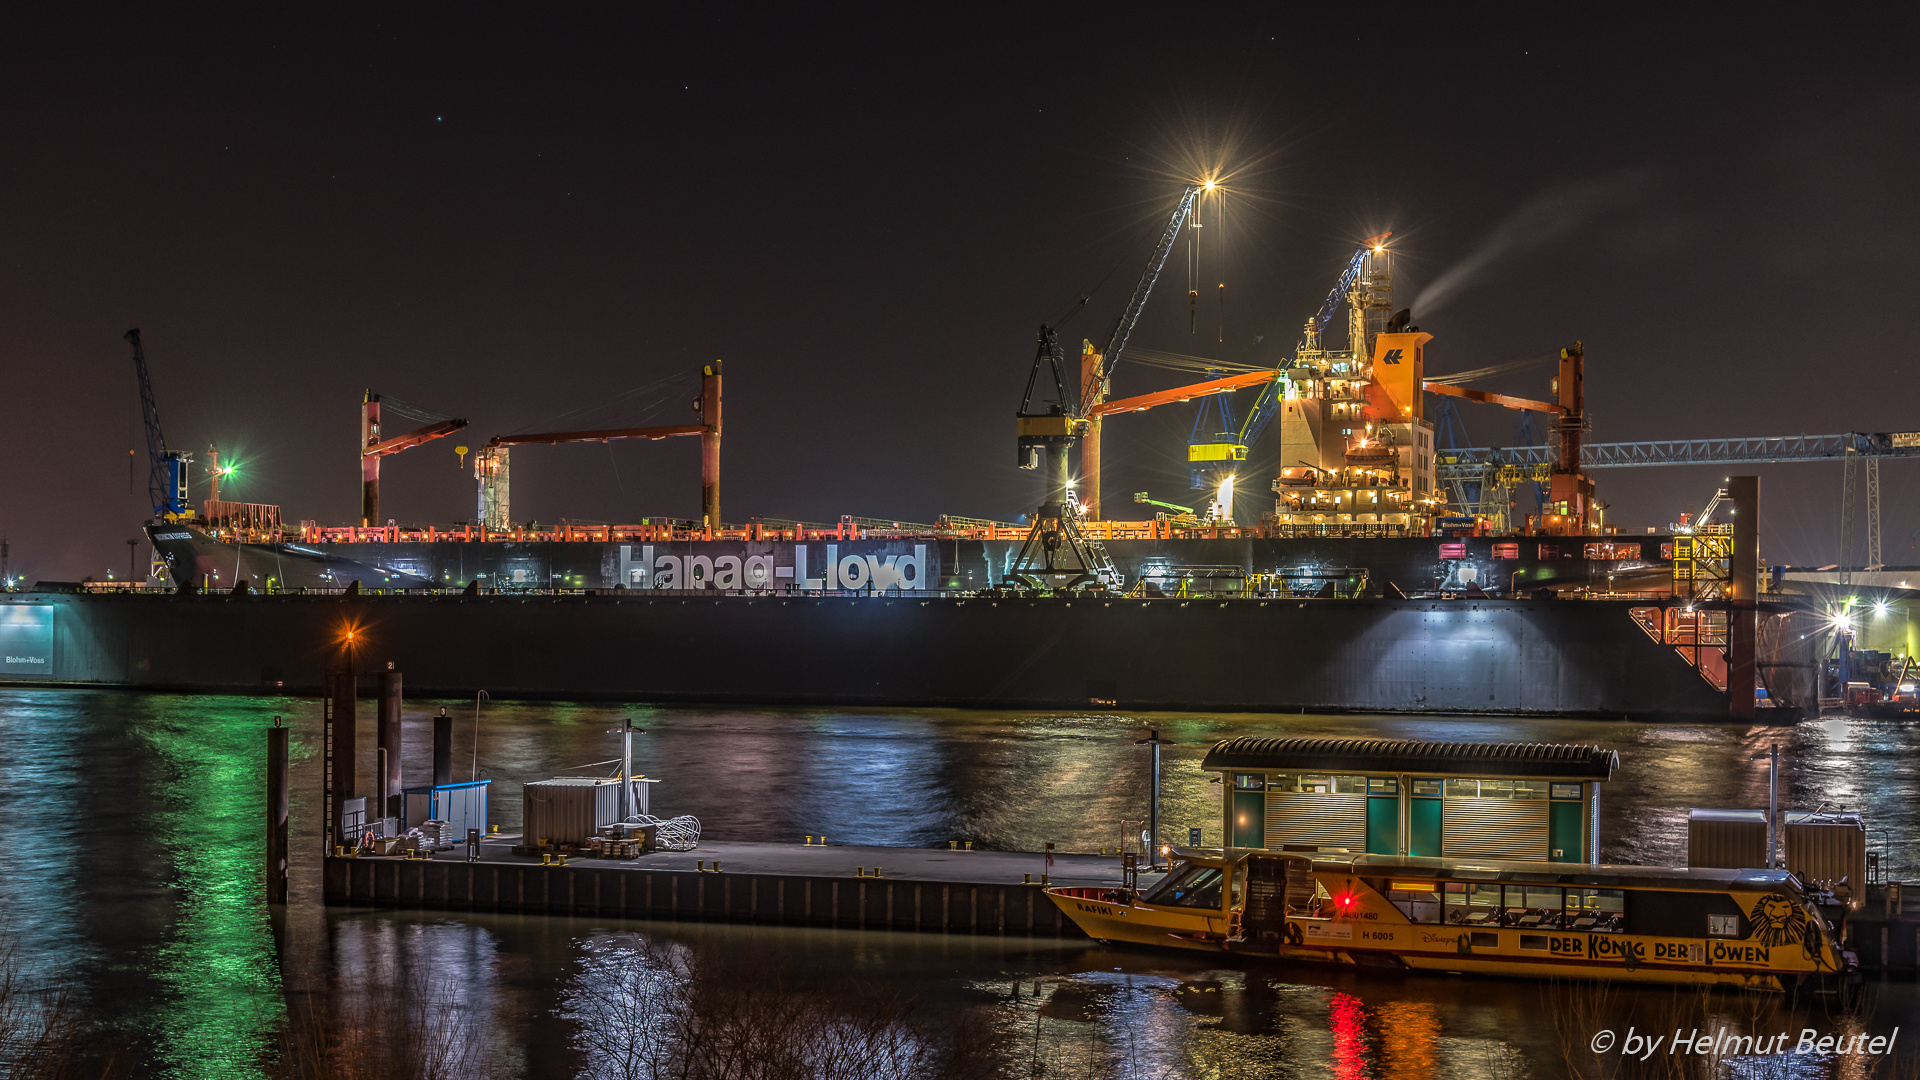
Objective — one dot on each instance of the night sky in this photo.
(509, 217)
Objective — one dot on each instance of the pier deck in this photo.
(929, 890)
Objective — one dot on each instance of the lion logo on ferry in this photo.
(1777, 920)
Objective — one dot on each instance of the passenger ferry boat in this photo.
(1746, 928)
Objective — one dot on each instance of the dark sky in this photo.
(506, 216)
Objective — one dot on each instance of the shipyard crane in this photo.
(1046, 437)
(1055, 550)
(167, 474)
(373, 447)
(490, 463)
(1210, 451)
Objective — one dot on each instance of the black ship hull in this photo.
(1563, 657)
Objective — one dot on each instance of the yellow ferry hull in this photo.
(1103, 917)
(1108, 916)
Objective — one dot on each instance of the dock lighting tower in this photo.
(626, 731)
(1154, 742)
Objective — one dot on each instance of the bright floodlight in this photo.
(1880, 608)
(1211, 184)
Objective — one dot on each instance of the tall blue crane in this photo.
(1209, 452)
(166, 469)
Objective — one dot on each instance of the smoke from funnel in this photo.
(1543, 219)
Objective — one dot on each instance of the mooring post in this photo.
(442, 749)
(340, 778)
(276, 813)
(390, 738)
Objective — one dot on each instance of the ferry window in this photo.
(1529, 789)
(1249, 781)
(1533, 906)
(1473, 903)
(1596, 911)
(1426, 787)
(1350, 785)
(1467, 788)
(1566, 791)
(1191, 886)
(1723, 926)
(1496, 789)
(1318, 785)
(1383, 785)
(1419, 901)
(1281, 782)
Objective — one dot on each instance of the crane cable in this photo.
(413, 412)
(667, 388)
(1459, 377)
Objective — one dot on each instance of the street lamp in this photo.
(1153, 740)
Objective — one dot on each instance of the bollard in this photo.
(1026, 879)
(701, 866)
(809, 840)
(276, 813)
(876, 871)
(859, 871)
(953, 845)
(716, 866)
(1045, 879)
(546, 859)
(969, 845)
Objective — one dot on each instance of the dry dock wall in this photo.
(1390, 656)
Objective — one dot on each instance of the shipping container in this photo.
(1828, 848)
(568, 810)
(1727, 839)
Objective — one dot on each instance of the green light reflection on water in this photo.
(219, 967)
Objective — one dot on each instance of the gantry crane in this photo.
(490, 464)
(167, 474)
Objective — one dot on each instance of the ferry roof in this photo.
(1558, 760)
(1546, 873)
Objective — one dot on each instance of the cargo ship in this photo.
(1387, 625)
(1367, 587)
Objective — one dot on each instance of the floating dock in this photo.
(925, 890)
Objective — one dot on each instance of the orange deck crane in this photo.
(373, 447)
(1570, 509)
(490, 464)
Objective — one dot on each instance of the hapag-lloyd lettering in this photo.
(784, 566)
